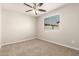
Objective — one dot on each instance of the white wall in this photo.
(69, 27)
(0, 24)
(17, 27)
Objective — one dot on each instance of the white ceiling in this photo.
(20, 7)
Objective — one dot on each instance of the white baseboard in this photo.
(18, 41)
(59, 44)
(41, 39)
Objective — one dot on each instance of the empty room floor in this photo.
(36, 47)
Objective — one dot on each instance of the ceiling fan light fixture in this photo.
(35, 11)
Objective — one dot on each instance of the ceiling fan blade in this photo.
(28, 10)
(27, 5)
(40, 4)
(42, 10)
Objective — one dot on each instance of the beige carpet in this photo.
(36, 47)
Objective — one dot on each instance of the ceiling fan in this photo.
(35, 7)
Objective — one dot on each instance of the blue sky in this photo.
(52, 19)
